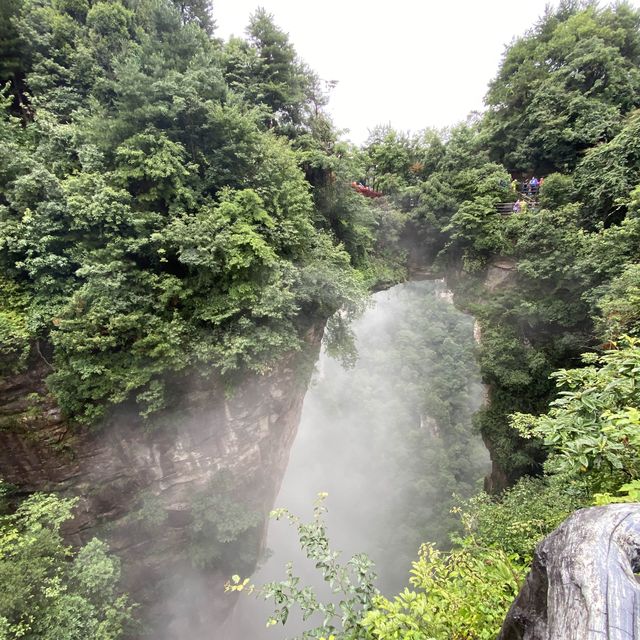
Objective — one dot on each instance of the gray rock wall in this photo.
(582, 584)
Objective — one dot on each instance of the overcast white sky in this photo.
(414, 64)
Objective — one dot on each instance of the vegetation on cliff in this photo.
(171, 205)
(49, 591)
(573, 251)
(168, 202)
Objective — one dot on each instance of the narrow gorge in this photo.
(388, 438)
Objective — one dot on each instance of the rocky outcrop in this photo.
(500, 273)
(118, 468)
(583, 584)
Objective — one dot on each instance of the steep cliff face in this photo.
(121, 468)
(498, 277)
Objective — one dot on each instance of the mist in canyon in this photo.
(389, 439)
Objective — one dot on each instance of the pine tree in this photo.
(281, 79)
(198, 11)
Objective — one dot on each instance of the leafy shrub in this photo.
(461, 595)
(620, 305)
(593, 427)
(556, 191)
(50, 592)
(518, 519)
(14, 333)
(223, 526)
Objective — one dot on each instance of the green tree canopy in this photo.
(565, 86)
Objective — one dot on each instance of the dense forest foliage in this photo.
(172, 203)
(575, 249)
(169, 202)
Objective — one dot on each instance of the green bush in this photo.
(519, 518)
(50, 592)
(223, 527)
(592, 429)
(461, 595)
(15, 337)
